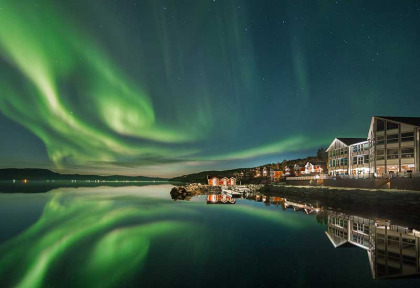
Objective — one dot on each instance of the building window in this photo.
(392, 154)
(366, 159)
(407, 137)
(407, 153)
(360, 160)
(366, 146)
(391, 125)
(380, 125)
(345, 161)
(380, 140)
(354, 160)
(380, 154)
(365, 229)
(393, 138)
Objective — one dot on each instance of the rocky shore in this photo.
(188, 191)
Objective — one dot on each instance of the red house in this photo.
(214, 181)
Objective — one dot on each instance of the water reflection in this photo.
(101, 237)
(220, 199)
(109, 235)
(180, 193)
(393, 251)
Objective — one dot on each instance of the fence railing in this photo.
(316, 177)
(360, 176)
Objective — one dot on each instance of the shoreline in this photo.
(400, 206)
(367, 183)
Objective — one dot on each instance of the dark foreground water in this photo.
(140, 237)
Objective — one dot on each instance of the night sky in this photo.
(164, 88)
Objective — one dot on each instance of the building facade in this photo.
(215, 181)
(359, 159)
(392, 148)
(314, 168)
(339, 155)
(394, 145)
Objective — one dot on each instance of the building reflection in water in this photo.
(393, 251)
(220, 199)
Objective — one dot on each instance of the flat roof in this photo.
(406, 120)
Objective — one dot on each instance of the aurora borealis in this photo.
(163, 88)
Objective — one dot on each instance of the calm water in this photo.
(139, 236)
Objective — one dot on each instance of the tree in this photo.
(321, 155)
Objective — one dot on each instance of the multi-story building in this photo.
(394, 145)
(338, 154)
(359, 159)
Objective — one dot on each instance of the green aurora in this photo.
(108, 233)
(162, 88)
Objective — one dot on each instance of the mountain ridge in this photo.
(46, 174)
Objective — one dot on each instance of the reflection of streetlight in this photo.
(25, 181)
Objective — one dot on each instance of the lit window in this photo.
(407, 153)
(392, 154)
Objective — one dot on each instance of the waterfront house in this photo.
(215, 181)
(359, 159)
(338, 155)
(257, 172)
(299, 170)
(286, 171)
(277, 175)
(225, 181)
(392, 148)
(311, 168)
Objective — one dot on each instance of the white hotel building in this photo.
(394, 144)
(348, 156)
(392, 147)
